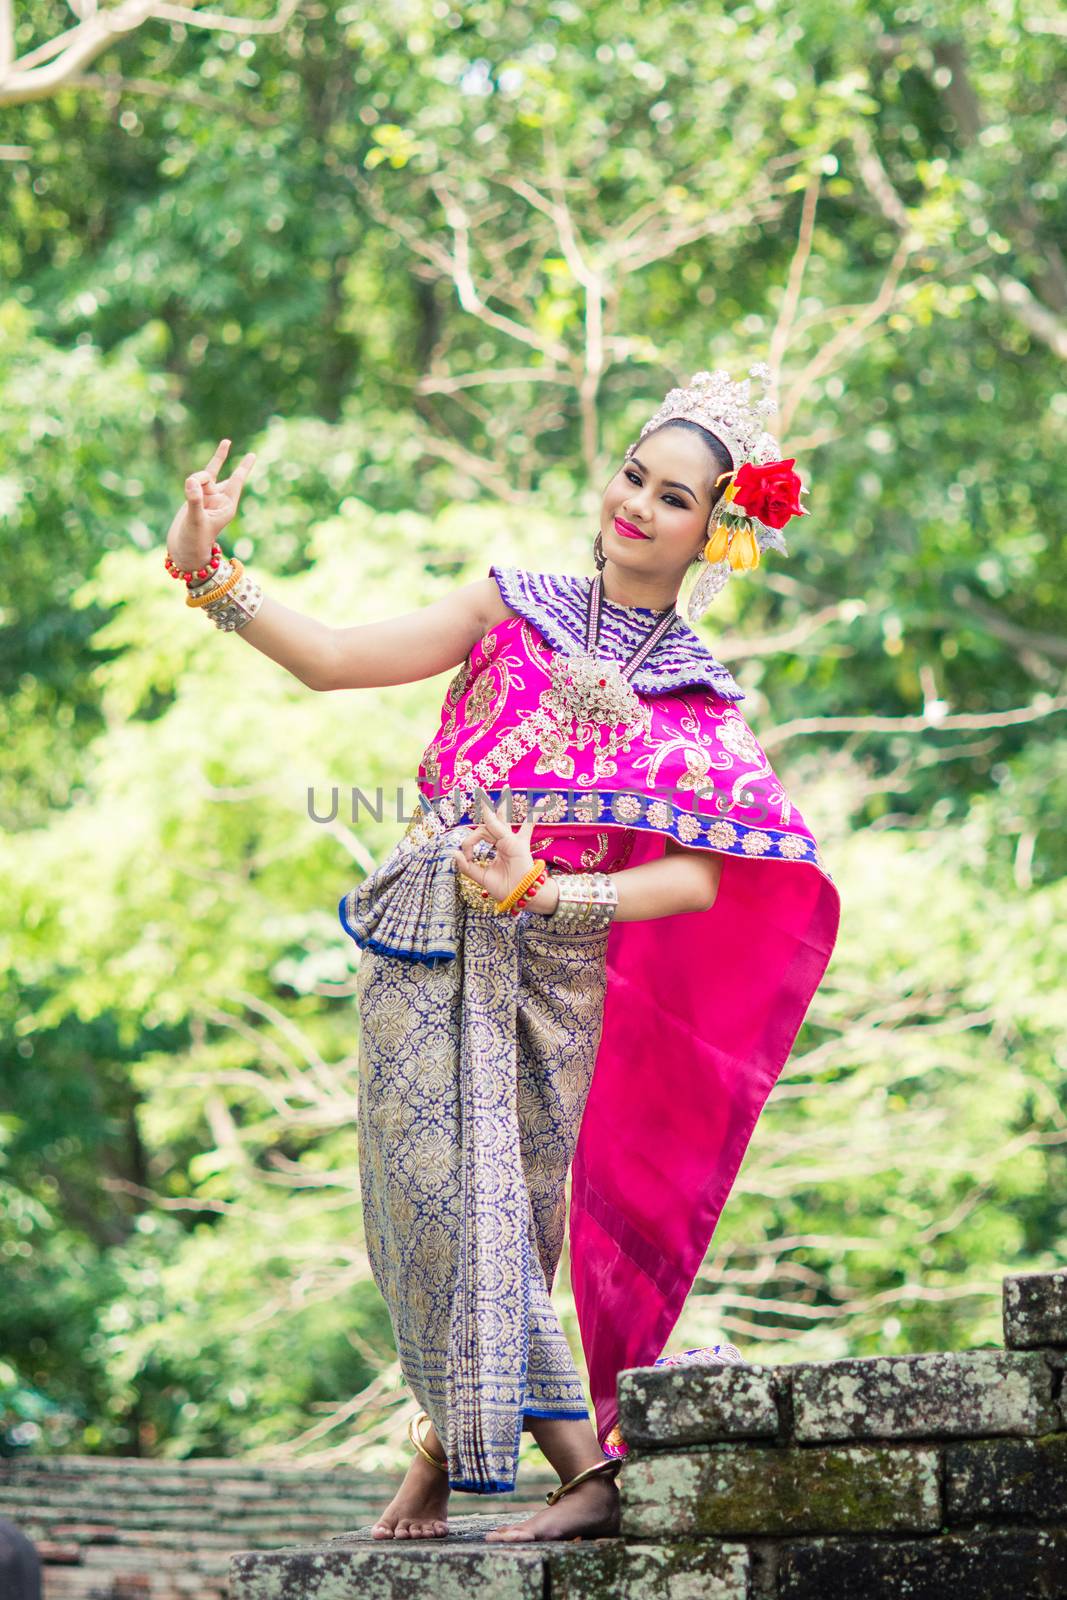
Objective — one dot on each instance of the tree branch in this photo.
(54, 64)
(1044, 706)
(115, 84)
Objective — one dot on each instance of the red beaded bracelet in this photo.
(528, 894)
(542, 877)
(213, 561)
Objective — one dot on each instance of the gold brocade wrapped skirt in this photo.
(474, 1073)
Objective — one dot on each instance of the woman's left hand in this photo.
(513, 859)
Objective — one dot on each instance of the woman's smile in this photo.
(628, 530)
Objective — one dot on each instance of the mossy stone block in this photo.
(961, 1394)
(697, 1405)
(1007, 1480)
(733, 1490)
(1023, 1564)
(1035, 1310)
(688, 1570)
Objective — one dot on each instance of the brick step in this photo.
(160, 1480)
(26, 1476)
(187, 1467)
(78, 1583)
(193, 1467)
(77, 1536)
(116, 1558)
(264, 1537)
(180, 1524)
(87, 1507)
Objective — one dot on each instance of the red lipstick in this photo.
(628, 530)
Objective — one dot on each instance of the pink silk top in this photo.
(702, 1007)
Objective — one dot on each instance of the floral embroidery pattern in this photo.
(688, 828)
(722, 835)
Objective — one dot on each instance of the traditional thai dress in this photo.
(496, 1052)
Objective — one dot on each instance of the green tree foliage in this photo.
(436, 265)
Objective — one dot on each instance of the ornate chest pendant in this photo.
(590, 690)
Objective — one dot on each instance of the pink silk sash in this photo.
(701, 1009)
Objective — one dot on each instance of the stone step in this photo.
(359, 1567)
(1014, 1564)
(963, 1394)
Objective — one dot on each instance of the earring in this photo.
(599, 557)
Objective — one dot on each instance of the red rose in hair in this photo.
(771, 492)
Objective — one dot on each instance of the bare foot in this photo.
(419, 1508)
(590, 1511)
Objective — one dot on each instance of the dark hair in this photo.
(724, 461)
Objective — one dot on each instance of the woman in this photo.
(610, 988)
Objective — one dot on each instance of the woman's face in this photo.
(664, 490)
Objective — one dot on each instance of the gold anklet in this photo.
(413, 1435)
(612, 1465)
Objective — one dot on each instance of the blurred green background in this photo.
(436, 265)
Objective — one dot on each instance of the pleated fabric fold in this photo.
(474, 1073)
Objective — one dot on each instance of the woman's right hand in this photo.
(209, 506)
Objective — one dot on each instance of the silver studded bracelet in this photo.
(587, 902)
(235, 609)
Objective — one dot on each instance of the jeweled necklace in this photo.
(592, 690)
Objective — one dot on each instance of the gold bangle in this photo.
(520, 888)
(223, 588)
(220, 589)
(413, 1435)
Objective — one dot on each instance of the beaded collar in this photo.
(557, 605)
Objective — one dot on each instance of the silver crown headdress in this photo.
(725, 408)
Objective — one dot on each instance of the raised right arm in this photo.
(418, 644)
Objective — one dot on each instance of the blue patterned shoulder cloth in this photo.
(555, 602)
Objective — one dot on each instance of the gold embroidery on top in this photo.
(488, 698)
(461, 681)
(605, 847)
(554, 737)
(596, 852)
(480, 700)
(447, 732)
